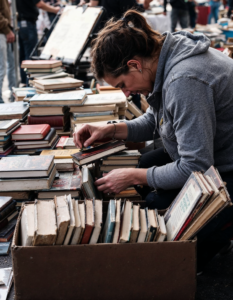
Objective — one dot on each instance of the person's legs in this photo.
(174, 19)
(215, 11)
(11, 69)
(184, 18)
(211, 13)
(3, 58)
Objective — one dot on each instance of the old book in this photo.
(78, 229)
(89, 221)
(56, 122)
(69, 144)
(110, 221)
(27, 224)
(4, 201)
(8, 126)
(31, 132)
(135, 227)
(58, 83)
(64, 165)
(82, 213)
(6, 277)
(17, 195)
(109, 88)
(67, 183)
(113, 167)
(98, 207)
(162, 231)
(128, 114)
(21, 93)
(26, 166)
(107, 99)
(134, 109)
(126, 223)
(90, 155)
(143, 226)
(45, 230)
(39, 147)
(41, 64)
(61, 143)
(91, 108)
(66, 153)
(14, 110)
(63, 218)
(8, 209)
(7, 232)
(74, 120)
(5, 248)
(122, 163)
(27, 184)
(72, 220)
(14, 213)
(88, 187)
(48, 111)
(127, 155)
(117, 222)
(31, 72)
(182, 206)
(153, 224)
(46, 141)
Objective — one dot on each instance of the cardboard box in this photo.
(104, 271)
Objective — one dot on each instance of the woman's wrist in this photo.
(138, 176)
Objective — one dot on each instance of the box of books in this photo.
(89, 249)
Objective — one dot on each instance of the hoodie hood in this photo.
(177, 47)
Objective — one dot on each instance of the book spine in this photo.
(6, 211)
(53, 121)
(87, 234)
(46, 130)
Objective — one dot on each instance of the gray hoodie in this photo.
(191, 108)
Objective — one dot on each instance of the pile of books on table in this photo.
(71, 222)
(15, 110)
(33, 139)
(23, 94)
(6, 128)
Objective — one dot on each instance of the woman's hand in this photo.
(88, 134)
(120, 179)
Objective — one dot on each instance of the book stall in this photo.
(67, 239)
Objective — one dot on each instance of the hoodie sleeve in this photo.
(4, 24)
(141, 129)
(191, 105)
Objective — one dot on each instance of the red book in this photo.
(89, 220)
(53, 121)
(31, 132)
(62, 142)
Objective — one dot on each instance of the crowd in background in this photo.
(183, 12)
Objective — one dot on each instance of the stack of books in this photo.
(70, 222)
(202, 198)
(26, 173)
(132, 111)
(124, 159)
(33, 139)
(6, 128)
(8, 218)
(105, 89)
(15, 110)
(22, 94)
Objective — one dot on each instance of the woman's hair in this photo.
(122, 40)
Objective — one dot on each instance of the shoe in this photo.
(226, 249)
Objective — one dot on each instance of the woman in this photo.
(190, 93)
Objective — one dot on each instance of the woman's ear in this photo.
(134, 65)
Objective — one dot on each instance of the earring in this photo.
(140, 70)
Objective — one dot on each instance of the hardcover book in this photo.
(27, 225)
(98, 206)
(4, 201)
(90, 155)
(41, 64)
(5, 248)
(14, 110)
(62, 142)
(54, 121)
(46, 141)
(66, 153)
(63, 218)
(72, 220)
(89, 221)
(8, 126)
(109, 225)
(31, 132)
(66, 82)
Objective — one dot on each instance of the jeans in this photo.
(6, 63)
(216, 233)
(181, 16)
(214, 6)
(27, 41)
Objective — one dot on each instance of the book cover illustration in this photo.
(25, 163)
(96, 150)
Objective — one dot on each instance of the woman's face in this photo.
(134, 82)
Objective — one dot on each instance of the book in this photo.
(117, 222)
(124, 155)
(61, 122)
(4, 201)
(61, 99)
(143, 226)
(30, 71)
(90, 155)
(135, 228)
(126, 222)
(45, 230)
(5, 248)
(7, 151)
(74, 120)
(89, 221)
(66, 153)
(107, 99)
(119, 162)
(72, 220)
(67, 183)
(109, 225)
(153, 225)
(6, 279)
(7, 210)
(88, 187)
(48, 111)
(93, 108)
(98, 214)
(82, 213)
(31, 132)
(7, 232)
(26, 166)
(27, 225)
(69, 144)
(78, 229)
(64, 165)
(162, 231)
(113, 167)
(63, 218)
(8, 218)
(27, 184)
(128, 114)
(58, 83)
(46, 141)
(41, 64)
(106, 88)
(21, 93)
(134, 109)
(62, 142)
(14, 110)
(17, 195)
(8, 126)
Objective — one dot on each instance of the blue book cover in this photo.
(110, 222)
(5, 248)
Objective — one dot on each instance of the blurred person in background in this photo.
(27, 16)
(192, 13)
(230, 8)
(7, 37)
(179, 13)
(53, 3)
(214, 8)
